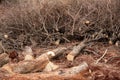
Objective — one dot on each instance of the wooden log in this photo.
(49, 55)
(33, 65)
(4, 59)
(51, 67)
(77, 69)
(27, 66)
(53, 54)
(75, 51)
(74, 73)
(70, 71)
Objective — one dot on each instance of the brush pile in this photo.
(59, 39)
(45, 22)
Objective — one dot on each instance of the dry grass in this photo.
(41, 22)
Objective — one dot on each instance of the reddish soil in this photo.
(106, 69)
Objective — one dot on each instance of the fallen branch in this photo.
(75, 51)
(75, 70)
(53, 54)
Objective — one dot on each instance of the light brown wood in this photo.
(77, 69)
(4, 59)
(53, 53)
(27, 66)
(68, 73)
(75, 51)
(51, 67)
(29, 57)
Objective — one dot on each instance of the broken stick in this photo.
(75, 51)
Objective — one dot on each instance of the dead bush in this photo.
(42, 22)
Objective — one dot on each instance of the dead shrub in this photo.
(41, 22)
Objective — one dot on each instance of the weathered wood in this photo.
(53, 54)
(4, 59)
(39, 64)
(28, 57)
(50, 67)
(70, 71)
(77, 69)
(75, 51)
(64, 74)
(27, 66)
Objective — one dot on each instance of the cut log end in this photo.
(29, 57)
(51, 54)
(70, 57)
(50, 67)
(76, 50)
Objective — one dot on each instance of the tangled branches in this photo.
(44, 22)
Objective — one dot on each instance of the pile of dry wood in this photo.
(42, 63)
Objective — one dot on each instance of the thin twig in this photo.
(102, 56)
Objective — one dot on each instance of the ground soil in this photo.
(106, 69)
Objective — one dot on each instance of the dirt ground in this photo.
(106, 69)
